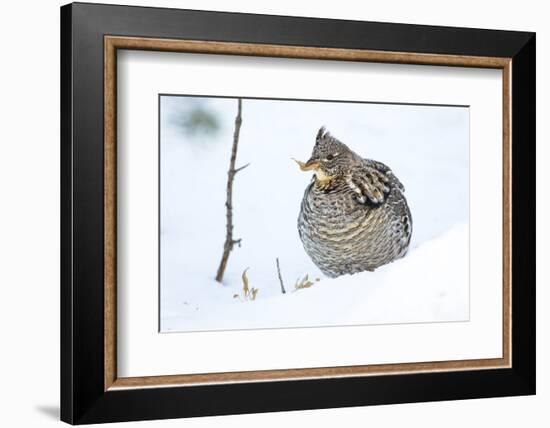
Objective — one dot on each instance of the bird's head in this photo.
(330, 158)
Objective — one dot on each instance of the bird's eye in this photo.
(330, 157)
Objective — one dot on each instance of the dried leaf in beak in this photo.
(308, 166)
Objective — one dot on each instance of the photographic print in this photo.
(283, 213)
(310, 199)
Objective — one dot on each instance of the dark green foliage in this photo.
(198, 120)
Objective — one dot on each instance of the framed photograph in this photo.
(266, 213)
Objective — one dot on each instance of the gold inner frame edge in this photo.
(113, 43)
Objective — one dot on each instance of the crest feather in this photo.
(322, 134)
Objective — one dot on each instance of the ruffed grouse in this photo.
(354, 216)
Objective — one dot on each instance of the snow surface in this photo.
(427, 148)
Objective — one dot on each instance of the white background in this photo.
(29, 226)
(144, 352)
(439, 162)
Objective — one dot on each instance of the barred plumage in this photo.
(354, 216)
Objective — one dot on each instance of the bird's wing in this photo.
(387, 171)
(371, 182)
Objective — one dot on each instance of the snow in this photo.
(427, 148)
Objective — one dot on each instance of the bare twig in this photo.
(280, 276)
(241, 168)
(229, 240)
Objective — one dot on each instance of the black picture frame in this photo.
(83, 398)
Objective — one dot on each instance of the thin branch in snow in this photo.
(280, 276)
(229, 240)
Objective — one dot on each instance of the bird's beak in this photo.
(310, 165)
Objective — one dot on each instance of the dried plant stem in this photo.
(229, 240)
(280, 276)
